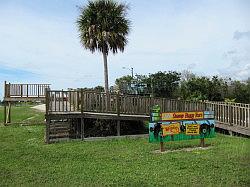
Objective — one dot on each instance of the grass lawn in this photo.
(23, 113)
(26, 160)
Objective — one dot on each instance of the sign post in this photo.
(161, 146)
(176, 126)
(202, 142)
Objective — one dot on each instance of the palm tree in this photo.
(103, 27)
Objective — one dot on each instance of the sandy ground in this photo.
(40, 107)
(183, 149)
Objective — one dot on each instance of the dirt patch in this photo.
(188, 149)
(41, 107)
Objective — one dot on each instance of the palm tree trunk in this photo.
(106, 81)
(106, 87)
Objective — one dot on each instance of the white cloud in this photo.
(168, 35)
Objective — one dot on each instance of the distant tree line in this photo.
(185, 85)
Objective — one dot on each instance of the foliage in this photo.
(129, 85)
(97, 89)
(189, 86)
(240, 91)
(27, 161)
(160, 84)
(164, 84)
(103, 26)
(227, 100)
(124, 84)
(203, 88)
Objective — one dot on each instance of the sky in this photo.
(39, 41)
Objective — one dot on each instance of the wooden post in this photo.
(9, 113)
(107, 101)
(47, 132)
(230, 114)
(118, 110)
(4, 103)
(47, 100)
(230, 132)
(62, 101)
(5, 89)
(81, 100)
(82, 128)
(21, 90)
(202, 142)
(5, 113)
(38, 91)
(162, 146)
(8, 90)
(77, 99)
(118, 128)
(27, 90)
(118, 104)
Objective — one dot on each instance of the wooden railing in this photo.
(86, 101)
(25, 90)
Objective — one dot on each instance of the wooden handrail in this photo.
(24, 90)
(89, 101)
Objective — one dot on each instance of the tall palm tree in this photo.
(103, 27)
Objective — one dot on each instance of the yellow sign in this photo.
(192, 129)
(170, 129)
(174, 116)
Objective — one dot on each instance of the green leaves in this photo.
(103, 26)
(164, 84)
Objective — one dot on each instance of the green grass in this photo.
(26, 160)
(23, 114)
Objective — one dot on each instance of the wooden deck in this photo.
(66, 106)
(97, 115)
(22, 93)
(233, 128)
(79, 101)
(63, 106)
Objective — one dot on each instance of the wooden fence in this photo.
(24, 90)
(79, 101)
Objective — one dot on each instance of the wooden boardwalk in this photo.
(79, 104)
(69, 106)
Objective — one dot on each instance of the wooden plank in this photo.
(27, 90)
(82, 128)
(118, 104)
(82, 101)
(235, 128)
(5, 114)
(47, 131)
(118, 128)
(8, 120)
(62, 93)
(5, 89)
